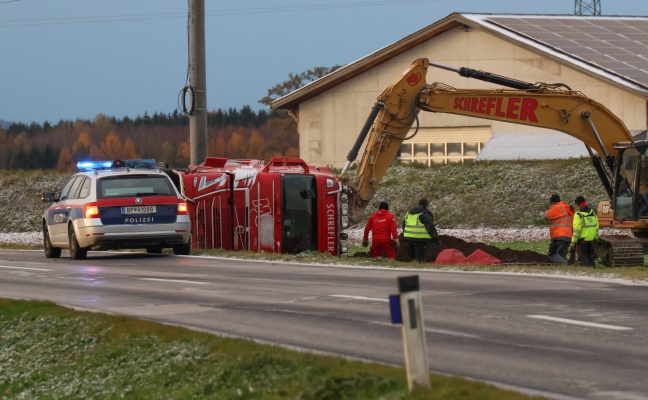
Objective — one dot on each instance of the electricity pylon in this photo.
(587, 7)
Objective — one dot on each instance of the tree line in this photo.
(232, 133)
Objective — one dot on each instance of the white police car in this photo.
(116, 205)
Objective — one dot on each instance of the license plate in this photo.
(138, 210)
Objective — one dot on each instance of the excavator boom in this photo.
(550, 106)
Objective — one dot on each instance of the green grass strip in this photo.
(52, 352)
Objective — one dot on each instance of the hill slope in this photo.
(501, 194)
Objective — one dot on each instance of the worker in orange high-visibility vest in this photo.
(560, 216)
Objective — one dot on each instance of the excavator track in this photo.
(620, 250)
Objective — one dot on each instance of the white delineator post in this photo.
(416, 360)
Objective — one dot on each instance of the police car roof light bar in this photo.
(92, 165)
(143, 163)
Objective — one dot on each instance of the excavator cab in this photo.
(631, 180)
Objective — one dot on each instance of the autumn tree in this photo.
(236, 146)
(65, 162)
(292, 152)
(285, 136)
(255, 146)
(128, 150)
(112, 146)
(184, 153)
(168, 153)
(81, 148)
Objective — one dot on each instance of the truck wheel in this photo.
(76, 252)
(50, 251)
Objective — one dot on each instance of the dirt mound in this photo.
(507, 256)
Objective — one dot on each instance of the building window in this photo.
(444, 145)
(439, 153)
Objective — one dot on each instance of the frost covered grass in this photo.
(20, 198)
(52, 352)
(495, 194)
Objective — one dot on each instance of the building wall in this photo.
(330, 122)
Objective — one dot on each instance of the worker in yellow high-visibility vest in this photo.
(584, 232)
(419, 230)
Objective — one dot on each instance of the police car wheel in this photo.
(50, 252)
(182, 249)
(76, 252)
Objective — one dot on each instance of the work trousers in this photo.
(586, 253)
(559, 247)
(380, 246)
(416, 249)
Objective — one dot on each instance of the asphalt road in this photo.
(560, 337)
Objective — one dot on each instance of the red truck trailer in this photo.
(284, 206)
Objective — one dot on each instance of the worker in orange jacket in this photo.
(560, 216)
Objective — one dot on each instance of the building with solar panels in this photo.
(604, 57)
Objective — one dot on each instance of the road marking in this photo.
(27, 268)
(359, 297)
(451, 333)
(582, 323)
(175, 280)
(431, 330)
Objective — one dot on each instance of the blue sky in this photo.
(71, 59)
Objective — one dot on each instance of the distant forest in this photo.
(164, 137)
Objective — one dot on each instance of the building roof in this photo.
(611, 48)
(614, 47)
(536, 146)
(532, 146)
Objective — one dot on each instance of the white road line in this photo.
(175, 280)
(359, 297)
(582, 323)
(27, 268)
(451, 333)
(431, 330)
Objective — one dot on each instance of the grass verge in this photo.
(52, 352)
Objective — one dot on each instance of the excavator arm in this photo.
(551, 106)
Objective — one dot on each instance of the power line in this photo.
(175, 15)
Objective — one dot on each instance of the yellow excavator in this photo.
(619, 159)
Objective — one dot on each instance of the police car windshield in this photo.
(134, 186)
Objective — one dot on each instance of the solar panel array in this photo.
(618, 45)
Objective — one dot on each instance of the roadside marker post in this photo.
(405, 309)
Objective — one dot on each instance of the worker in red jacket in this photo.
(384, 235)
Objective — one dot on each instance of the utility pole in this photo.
(587, 7)
(198, 82)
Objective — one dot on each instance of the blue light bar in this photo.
(90, 165)
(143, 163)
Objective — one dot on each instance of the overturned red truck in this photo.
(284, 206)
